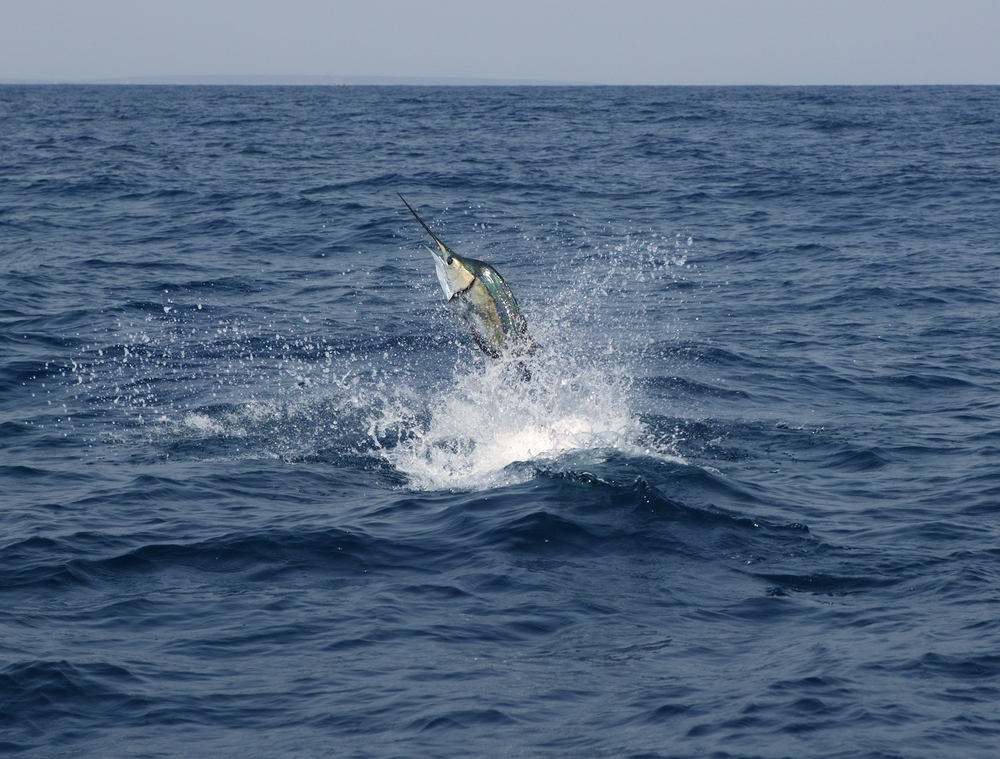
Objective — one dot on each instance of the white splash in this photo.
(204, 424)
(489, 421)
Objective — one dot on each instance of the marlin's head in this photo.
(454, 272)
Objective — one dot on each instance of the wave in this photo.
(559, 513)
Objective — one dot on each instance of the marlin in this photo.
(483, 298)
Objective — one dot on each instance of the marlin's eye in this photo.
(450, 259)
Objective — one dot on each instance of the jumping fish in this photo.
(485, 301)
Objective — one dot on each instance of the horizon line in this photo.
(316, 80)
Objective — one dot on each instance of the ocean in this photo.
(262, 496)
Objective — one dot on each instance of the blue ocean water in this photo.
(260, 495)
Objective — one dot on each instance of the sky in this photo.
(665, 42)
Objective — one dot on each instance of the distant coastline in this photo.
(305, 80)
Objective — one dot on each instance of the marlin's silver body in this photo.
(485, 301)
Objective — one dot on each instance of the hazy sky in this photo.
(596, 41)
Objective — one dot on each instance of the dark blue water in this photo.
(260, 495)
